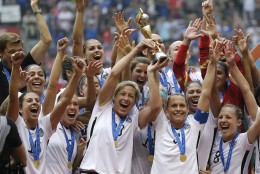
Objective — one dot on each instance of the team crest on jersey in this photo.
(105, 76)
(128, 120)
(41, 132)
(186, 126)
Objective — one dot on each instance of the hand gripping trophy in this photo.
(142, 21)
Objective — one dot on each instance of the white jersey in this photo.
(172, 80)
(240, 155)
(206, 141)
(57, 155)
(46, 131)
(103, 76)
(167, 152)
(257, 156)
(102, 156)
(140, 163)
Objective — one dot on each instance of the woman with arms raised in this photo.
(36, 133)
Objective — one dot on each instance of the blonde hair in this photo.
(123, 84)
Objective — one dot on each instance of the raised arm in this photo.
(179, 69)
(39, 50)
(77, 35)
(155, 105)
(241, 82)
(90, 72)
(51, 92)
(241, 41)
(108, 89)
(68, 93)
(214, 55)
(252, 108)
(13, 106)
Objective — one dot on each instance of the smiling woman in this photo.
(114, 121)
(36, 79)
(35, 132)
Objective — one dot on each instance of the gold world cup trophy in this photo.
(142, 21)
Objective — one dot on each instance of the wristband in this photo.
(39, 11)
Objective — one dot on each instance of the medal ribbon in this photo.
(176, 84)
(70, 146)
(116, 129)
(163, 80)
(42, 98)
(102, 81)
(226, 167)
(142, 104)
(7, 74)
(150, 139)
(36, 148)
(181, 143)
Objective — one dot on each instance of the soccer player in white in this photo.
(231, 148)
(36, 133)
(176, 135)
(116, 120)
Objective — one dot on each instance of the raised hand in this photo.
(207, 7)
(211, 27)
(35, 4)
(80, 4)
(123, 41)
(241, 40)
(120, 22)
(78, 65)
(215, 50)
(158, 65)
(93, 68)
(17, 58)
(146, 43)
(191, 32)
(229, 54)
(62, 44)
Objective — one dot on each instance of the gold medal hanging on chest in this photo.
(183, 158)
(36, 163)
(116, 143)
(150, 158)
(69, 165)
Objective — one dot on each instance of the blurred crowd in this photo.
(168, 18)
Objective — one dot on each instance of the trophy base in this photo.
(161, 56)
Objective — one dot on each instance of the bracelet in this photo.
(39, 11)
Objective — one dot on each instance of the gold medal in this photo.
(116, 143)
(150, 158)
(183, 157)
(36, 163)
(69, 165)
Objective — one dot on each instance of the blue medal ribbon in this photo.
(181, 143)
(226, 167)
(163, 80)
(142, 104)
(176, 84)
(102, 81)
(42, 99)
(116, 129)
(70, 146)
(150, 139)
(36, 148)
(7, 74)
